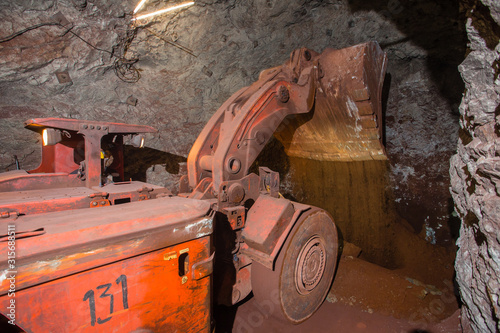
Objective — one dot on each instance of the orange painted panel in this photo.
(153, 292)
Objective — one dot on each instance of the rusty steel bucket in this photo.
(345, 123)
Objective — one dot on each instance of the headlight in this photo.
(137, 141)
(51, 136)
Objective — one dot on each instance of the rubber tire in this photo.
(276, 290)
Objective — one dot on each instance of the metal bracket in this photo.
(234, 192)
(269, 181)
(236, 216)
(22, 234)
(145, 193)
(203, 190)
(99, 199)
(184, 184)
(203, 268)
(60, 18)
(63, 77)
(9, 213)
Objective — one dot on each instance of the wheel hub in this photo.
(310, 265)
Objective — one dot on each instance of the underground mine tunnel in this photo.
(169, 225)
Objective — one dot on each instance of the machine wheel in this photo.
(303, 272)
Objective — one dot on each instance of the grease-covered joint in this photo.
(283, 94)
(206, 162)
(233, 165)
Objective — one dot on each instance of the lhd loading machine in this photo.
(158, 262)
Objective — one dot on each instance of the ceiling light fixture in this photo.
(139, 6)
(161, 11)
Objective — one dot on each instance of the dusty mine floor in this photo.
(364, 298)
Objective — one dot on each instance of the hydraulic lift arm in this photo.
(240, 129)
(339, 90)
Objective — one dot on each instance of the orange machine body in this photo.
(143, 269)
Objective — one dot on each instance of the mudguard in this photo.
(267, 226)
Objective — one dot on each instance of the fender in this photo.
(267, 227)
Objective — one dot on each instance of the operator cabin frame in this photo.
(70, 173)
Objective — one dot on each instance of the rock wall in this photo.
(475, 172)
(191, 61)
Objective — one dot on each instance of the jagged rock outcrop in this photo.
(475, 172)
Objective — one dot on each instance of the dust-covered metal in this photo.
(304, 270)
(111, 269)
(345, 123)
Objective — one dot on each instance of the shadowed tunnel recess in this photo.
(139, 160)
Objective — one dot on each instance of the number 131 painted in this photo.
(90, 296)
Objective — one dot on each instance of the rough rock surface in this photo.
(231, 42)
(475, 172)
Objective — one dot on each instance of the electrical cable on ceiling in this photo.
(124, 68)
(183, 48)
(19, 33)
(86, 42)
